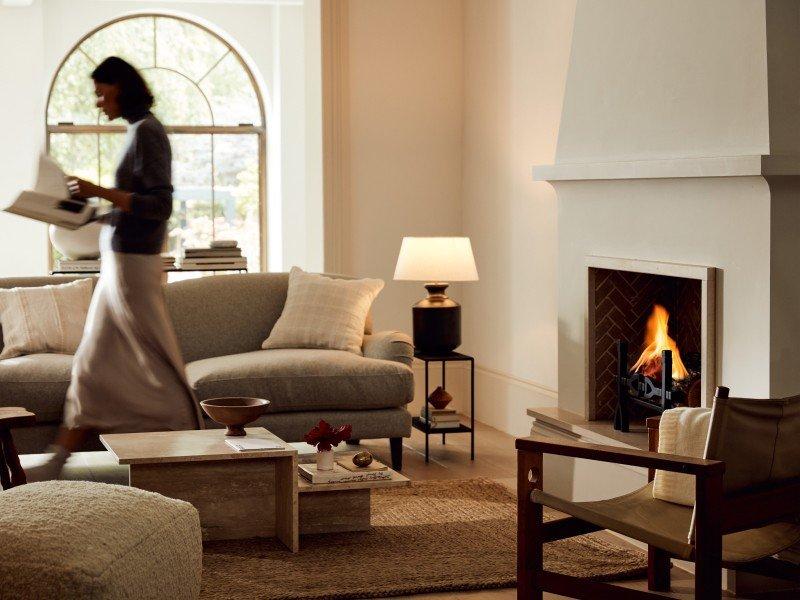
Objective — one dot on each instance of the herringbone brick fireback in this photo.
(623, 301)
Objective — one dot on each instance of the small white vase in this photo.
(325, 460)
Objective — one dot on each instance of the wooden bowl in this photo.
(234, 412)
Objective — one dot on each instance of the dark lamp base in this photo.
(437, 322)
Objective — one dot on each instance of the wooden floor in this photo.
(495, 458)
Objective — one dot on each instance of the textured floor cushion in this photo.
(76, 539)
(305, 380)
(37, 381)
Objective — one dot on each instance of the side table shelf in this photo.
(417, 422)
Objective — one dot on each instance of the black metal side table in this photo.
(425, 427)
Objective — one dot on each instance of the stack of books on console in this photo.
(442, 418)
(219, 256)
(341, 474)
(85, 265)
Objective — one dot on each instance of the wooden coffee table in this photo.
(238, 494)
(338, 507)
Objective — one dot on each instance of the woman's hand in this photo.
(80, 188)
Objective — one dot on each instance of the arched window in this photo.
(211, 107)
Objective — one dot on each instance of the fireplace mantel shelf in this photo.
(719, 166)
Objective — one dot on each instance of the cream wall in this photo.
(23, 243)
(516, 54)
(405, 89)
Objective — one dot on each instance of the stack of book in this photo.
(167, 261)
(441, 418)
(340, 474)
(86, 265)
(220, 255)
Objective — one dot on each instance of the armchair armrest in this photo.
(389, 345)
(622, 456)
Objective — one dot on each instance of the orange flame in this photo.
(656, 340)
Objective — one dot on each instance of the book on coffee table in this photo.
(339, 474)
(247, 444)
(348, 464)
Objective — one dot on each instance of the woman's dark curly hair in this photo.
(135, 97)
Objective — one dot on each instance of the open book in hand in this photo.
(50, 201)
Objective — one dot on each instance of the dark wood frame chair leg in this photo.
(708, 537)
(396, 448)
(5, 475)
(530, 532)
(11, 458)
(658, 570)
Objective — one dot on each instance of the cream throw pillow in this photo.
(682, 431)
(321, 312)
(44, 319)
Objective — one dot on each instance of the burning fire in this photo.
(656, 340)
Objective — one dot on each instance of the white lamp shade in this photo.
(435, 259)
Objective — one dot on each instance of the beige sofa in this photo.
(221, 322)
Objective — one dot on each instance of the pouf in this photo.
(79, 539)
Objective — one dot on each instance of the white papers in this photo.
(250, 444)
(50, 201)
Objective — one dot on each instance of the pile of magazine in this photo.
(219, 256)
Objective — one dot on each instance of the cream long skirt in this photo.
(128, 375)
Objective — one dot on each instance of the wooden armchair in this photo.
(747, 503)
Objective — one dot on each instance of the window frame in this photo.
(246, 129)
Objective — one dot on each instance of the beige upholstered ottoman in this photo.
(77, 539)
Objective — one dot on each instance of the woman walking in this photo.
(128, 374)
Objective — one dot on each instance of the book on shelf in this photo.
(224, 244)
(440, 424)
(248, 444)
(213, 260)
(203, 265)
(339, 474)
(50, 202)
(206, 253)
(446, 415)
(78, 266)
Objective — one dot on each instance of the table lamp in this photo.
(436, 261)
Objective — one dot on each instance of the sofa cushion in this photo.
(305, 380)
(37, 382)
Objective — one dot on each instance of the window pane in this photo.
(72, 99)
(237, 214)
(130, 39)
(110, 154)
(178, 100)
(231, 93)
(187, 48)
(190, 225)
(76, 153)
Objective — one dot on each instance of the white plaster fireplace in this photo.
(679, 144)
(673, 150)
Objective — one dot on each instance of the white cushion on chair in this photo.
(682, 431)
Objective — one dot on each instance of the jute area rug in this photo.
(428, 537)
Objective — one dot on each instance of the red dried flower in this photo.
(325, 437)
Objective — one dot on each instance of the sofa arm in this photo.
(389, 345)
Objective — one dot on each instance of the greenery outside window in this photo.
(211, 107)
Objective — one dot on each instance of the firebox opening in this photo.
(649, 315)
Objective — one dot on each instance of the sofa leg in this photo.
(396, 445)
(352, 442)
